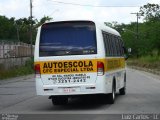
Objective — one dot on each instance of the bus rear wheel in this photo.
(122, 91)
(57, 100)
(111, 96)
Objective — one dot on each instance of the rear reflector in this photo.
(48, 89)
(37, 71)
(90, 87)
(100, 68)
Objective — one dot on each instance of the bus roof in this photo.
(99, 24)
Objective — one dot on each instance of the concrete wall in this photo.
(9, 51)
(9, 63)
(14, 54)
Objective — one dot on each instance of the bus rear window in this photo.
(68, 38)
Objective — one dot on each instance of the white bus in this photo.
(79, 58)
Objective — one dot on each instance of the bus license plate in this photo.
(69, 90)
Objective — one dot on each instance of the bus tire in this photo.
(122, 91)
(59, 100)
(111, 96)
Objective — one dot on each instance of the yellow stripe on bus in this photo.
(115, 63)
(79, 66)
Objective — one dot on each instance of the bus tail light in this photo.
(100, 68)
(37, 71)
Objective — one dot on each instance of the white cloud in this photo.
(19, 8)
(14, 8)
(102, 13)
(154, 1)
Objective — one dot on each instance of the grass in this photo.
(150, 62)
(18, 71)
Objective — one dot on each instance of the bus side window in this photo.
(122, 47)
(114, 45)
(119, 46)
(105, 44)
(111, 45)
(108, 46)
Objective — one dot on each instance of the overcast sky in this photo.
(59, 11)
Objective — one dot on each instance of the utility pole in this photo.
(31, 25)
(137, 30)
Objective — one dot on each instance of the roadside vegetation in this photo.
(146, 48)
(18, 71)
(146, 43)
(149, 62)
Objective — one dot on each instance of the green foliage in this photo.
(43, 20)
(150, 62)
(147, 41)
(19, 71)
(149, 59)
(10, 27)
(148, 38)
(151, 12)
(7, 30)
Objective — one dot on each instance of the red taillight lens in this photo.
(100, 68)
(37, 70)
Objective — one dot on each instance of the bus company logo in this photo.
(74, 66)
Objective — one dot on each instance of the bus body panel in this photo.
(47, 82)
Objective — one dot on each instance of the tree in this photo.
(111, 24)
(8, 28)
(43, 20)
(151, 12)
(19, 29)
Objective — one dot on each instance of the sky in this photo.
(114, 10)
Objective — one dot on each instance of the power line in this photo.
(76, 4)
